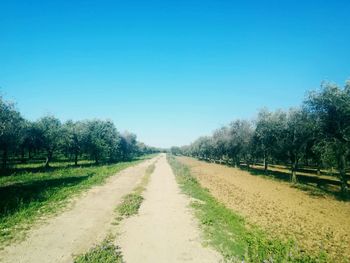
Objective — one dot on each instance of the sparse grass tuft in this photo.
(131, 202)
(130, 205)
(106, 252)
(229, 233)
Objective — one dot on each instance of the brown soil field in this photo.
(315, 222)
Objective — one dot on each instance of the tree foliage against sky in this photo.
(48, 137)
(318, 132)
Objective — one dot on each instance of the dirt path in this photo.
(165, 230)
(79, 228)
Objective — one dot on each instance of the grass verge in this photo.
(229, 233)
(27, 197)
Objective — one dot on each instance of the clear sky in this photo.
(169, 71)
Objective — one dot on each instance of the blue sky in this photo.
(169, 71)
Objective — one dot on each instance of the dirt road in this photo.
(79, 228)
(165, 230)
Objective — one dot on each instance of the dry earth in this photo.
(74, 231)
(165, 229)
(315, 222)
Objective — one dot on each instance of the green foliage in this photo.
(73, 139)
(101, 140)
(331, 109)
(230, 234)
(128, 145)
(47, 137)
(11, 124)
(105, 252)
(268, 133)
(49, 131)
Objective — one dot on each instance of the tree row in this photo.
(315, 134)
(48, 137)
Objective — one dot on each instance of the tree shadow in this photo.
(15, 171)
(313, 185)
(42, 169)
(14, 197)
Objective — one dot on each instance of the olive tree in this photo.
(240, 136)
(31, 140)
(267, 134)
(331, 106)
(220, 144)
(50, 135)
(101, 140)
(128, 146)
(11, 125)
(297, 134)
(74, 138)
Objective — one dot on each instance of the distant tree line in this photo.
(48, 137)
(317, 133)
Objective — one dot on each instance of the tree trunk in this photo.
(294, 171)
(29, 154)
(342, 175)
(294, 175)
(265, 163)
(4, 158)
(22, 156)
(76, 159)
(48, 159)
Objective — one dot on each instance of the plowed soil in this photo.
(315, 222)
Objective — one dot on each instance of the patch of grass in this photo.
(150, 169)
(131, 202)
(130, 205)
(27, 196)
(229, 233)
(106, 252)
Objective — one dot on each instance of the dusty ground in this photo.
(79, 228)
(165, 230)
(315, 222)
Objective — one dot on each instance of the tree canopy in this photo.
(317, 132)
(48, 137)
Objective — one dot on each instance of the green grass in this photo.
(229, 233)
(132, 202)
(25, 197)
(106, 252)
(130, 205)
